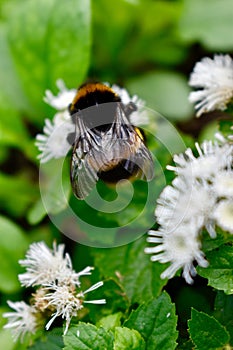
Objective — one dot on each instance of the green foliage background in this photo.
(149, 47)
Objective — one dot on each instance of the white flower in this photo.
(180, 204)
(44, 266)
(59, 294)
(223, 183)
(214, 78)
(179, 247)
(22, 321)
(54, 142)
(198, 177)
(143, 117)
(211, 159)
(200, 196)
(224, 215)
(67, 302)
(63, 98)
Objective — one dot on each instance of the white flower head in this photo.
(22, 321)
(180, 204)
(200, 196)
(45, 266)
(223, 183)
(63, 98)
(54, 142)
(211, 159)
(224, 215)
(66, 302)
(180, 247)
(214, 79)
(59, 294)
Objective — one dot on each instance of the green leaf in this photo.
(115, 216)
(220, 270)
(12, 129)
(52, 340)
(156, 322)
(116, 302)
(206, 332)
(111, 321)
(49, 39)
(210, 243)
(17, 193)
(98, 229)
(126, 338)
(225, 126)
(11, 94)
(55, 189)
(132, 269)
(36, 213)
(209, 22)
(113, 35)
(157, 22)
(223, 311)
(4, 152)
(7, 342)
(137, 217)
(13, 244)
(86, 336)
(134, 28)
(185, 344)
(165, 92)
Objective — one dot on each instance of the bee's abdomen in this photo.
(125, 169)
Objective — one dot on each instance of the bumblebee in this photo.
(106, 145)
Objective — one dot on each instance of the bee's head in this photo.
(97, 104)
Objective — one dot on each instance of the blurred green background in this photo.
(148, 47)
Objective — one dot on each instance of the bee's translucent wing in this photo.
(91, 152)
(85, 161)
(137, 153)
(83, 176)
(131, 152)
(143, 160)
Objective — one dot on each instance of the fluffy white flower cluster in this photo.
(200, 196)
(54, 142)
(58, 290)
(213, 79)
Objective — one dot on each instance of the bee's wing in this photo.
(86, 159)
(132, 150)
(91, 152)
(83, 176)
(142, 158)
(139, 154)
